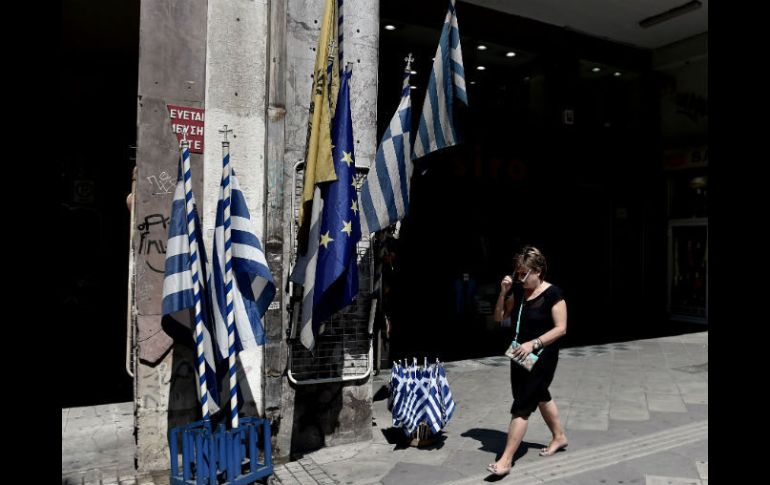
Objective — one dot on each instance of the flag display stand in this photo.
(421, 401)
(423, 436)
(238, 456)
(242, 454)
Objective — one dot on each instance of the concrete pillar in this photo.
(236, 74)
(172, 48)
(331, 414)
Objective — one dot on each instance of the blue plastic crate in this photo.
(221, 457)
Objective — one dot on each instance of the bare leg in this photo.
(551, 416)
(516, 431)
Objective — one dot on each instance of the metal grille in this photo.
(343, 351)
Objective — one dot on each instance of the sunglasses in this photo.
(521, 278)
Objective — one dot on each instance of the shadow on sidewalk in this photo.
(493, 441)
(381, 394)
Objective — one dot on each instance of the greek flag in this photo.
(183, 285)
(447, 402)
(415, 404)
(385, 193)
(447, 81)
(397, 389)
(420, 395)
(434, 406)
(252, 285)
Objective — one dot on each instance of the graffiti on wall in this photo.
(163, 184)
(152, 238)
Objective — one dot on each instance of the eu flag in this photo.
(336, 283)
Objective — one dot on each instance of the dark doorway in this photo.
(99, 54)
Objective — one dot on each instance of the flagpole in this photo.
(228, 273)
(194, 259)
(407, 69)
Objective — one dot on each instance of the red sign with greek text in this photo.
(190, 121)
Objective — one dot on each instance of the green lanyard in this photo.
(518, 322)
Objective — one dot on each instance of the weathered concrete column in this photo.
(191, 52)
(279, 395)
(236, 75)
(331, 413)
(172, 46)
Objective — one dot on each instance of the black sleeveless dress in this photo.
(531, 387)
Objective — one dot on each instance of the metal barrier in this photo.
(344, 351)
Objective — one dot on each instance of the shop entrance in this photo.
(556, 152)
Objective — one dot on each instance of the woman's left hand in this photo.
(522, 351)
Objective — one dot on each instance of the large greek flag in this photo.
(253, 285)
(385, 193)
(184, 284)
(447, 81)
(251, 289)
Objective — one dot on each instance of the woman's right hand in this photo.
(505, 285)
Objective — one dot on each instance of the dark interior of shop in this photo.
(100, 54)
(561, 149)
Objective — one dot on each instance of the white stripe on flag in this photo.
(445, 124)
(427, 113)
(174, 283)
(177, 245)
(306, 266)
(436, 119)
(247, 251)
(380, 198)
(250, 364)
(389, 151)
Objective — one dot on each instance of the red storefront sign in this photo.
(188, 120)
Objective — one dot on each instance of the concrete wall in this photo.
(332, 414)
(361, 44)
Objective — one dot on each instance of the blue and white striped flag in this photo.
(397, 388)
(252, 284)
(447, 402)
(447, 81)
(434, 406)
(385, 193)
(415, 402)
(184, 284)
